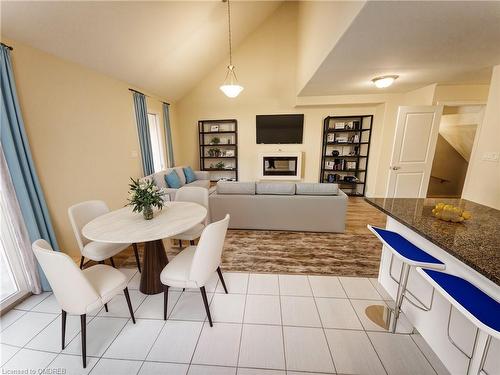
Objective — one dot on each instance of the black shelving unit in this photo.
(225, 151)
(349, 136)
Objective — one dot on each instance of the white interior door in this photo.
(417, 129)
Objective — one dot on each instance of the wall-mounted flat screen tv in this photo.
(280, 129)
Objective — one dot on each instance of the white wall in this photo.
(461, 94)
(483, 179)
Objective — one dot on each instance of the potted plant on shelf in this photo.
(143, 196)
(215, 140)
(220, 165)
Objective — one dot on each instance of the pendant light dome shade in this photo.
(230, 87)
(231, 91)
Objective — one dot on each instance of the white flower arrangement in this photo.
(143, 195)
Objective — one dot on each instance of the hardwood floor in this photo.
(360, 214)
(353, 253)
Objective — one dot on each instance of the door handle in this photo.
(395, 167)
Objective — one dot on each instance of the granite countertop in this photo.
(476, 242)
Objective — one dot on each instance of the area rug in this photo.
(353, 253)
(294, 253)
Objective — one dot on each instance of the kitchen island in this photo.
(470, 249)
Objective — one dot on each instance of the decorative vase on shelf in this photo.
(147, 212)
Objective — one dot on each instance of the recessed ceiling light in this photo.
(385, 81)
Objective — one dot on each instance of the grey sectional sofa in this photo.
(203, 179)
(310, 207)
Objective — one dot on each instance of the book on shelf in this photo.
(346, 125)
(350, 165)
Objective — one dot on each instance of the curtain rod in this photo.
(6, 46)
(147, 95)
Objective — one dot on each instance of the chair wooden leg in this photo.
(127, 297)
(83, 323)
(63, 324)
(219, 272)
(136, 253)
(82, 259)
(191, 242)
(106, 307)
(165, 302)
(112, 262)
(205, 302)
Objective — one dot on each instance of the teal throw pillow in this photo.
(190, 176)
(173, 181)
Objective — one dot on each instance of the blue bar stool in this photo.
(477, 306)
(411, 256)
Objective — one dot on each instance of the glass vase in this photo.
(147, 212)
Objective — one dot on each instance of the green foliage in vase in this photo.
(144, 194)
(219, 165)
(215, 140)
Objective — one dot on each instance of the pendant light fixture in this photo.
(230, 87)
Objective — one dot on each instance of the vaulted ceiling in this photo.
(167, 47)
(163, 47)
(423, 42)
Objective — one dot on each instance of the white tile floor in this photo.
(266, 325)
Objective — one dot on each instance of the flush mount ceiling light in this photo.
(230, 87)
(384, 81)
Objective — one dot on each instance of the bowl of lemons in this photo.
(448, 212)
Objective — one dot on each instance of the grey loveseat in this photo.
(203, 179)
(310, 207)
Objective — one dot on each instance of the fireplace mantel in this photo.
(280, 166)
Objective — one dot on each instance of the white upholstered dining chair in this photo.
(82, 213)
(193, 266)
(79, 292)
(194, 194)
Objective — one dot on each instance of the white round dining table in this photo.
(126, 226)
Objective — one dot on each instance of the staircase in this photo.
(453, 150)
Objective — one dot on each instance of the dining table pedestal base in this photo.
(155, 259)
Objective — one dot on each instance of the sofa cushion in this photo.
(172, 179)
(201, 183)
(233, 187)
(275, 188)
(202, 175)
(316, 188)
(180, 172)
(189, 174)
(159, 178)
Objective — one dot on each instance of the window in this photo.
(13, 283)
(156, 142)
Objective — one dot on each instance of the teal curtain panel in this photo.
(141, 116)
(19, 161)
(168, 135)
